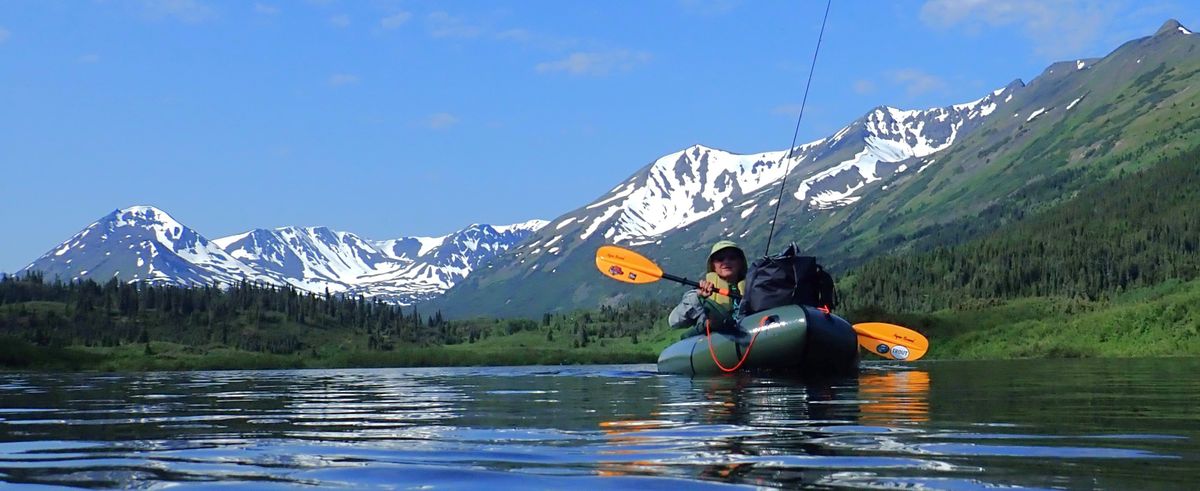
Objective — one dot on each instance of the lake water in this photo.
(1080, 424)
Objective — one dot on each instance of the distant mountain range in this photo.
(143, 243)
(891, 181)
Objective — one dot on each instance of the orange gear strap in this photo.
(713, 353)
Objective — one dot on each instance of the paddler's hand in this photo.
(706, 289)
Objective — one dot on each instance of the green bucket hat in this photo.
(721, 245)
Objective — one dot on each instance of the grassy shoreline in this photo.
(1158, 321)
(1149, 322)
(163, 356)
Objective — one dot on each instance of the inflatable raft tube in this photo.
(792, 338)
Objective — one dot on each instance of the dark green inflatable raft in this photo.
(791, 338)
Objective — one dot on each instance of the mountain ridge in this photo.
(890, 181)
(1076, 123)
(875, 147)
(144, 243)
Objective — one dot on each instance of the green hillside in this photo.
(1138, 230)
(1127, 111)
(1162, 320)
(1078, 125)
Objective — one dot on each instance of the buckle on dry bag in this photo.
(826, 310)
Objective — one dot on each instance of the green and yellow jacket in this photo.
(718, 308)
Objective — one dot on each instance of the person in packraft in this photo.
(726, 270)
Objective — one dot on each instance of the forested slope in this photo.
(1136, 230)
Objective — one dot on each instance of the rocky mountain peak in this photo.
(1171, 27)
(144, 243)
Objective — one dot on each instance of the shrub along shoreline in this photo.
(1160, 321)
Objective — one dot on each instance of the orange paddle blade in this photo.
(891, 341)
(625, 265)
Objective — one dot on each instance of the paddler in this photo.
(726, 270)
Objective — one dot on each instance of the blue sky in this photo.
(400, 118)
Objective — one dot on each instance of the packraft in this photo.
(786, 324)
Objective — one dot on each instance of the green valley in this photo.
(1062, 222)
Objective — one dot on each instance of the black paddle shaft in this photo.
(693, 283)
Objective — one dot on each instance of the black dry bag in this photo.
(787, 279)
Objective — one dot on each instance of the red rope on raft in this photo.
(708, 333)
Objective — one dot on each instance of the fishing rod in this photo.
(796, 134)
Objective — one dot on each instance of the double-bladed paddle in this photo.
(625, 265)
(886, 340)
(891, 341)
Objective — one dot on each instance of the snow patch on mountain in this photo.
(682, 188)
(529, 226)
(748, 211)
(598, 221)
(893, 136)
(687, 186)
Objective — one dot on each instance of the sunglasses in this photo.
(727, 256)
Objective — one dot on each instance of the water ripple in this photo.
(603, 428)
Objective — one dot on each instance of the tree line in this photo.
(272, 319)
(1136, 230)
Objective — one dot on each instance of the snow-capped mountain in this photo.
(401, 270)
(889, 137)
(684, 187)
(890, 180)
(723, 194)
(143, 243)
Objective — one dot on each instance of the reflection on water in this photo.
(894, 397)
(1078, 424)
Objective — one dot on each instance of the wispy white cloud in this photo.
(340, 79)
(449, 26)
(395, 20)
(709, 7)
(444, 25)
(596, 63)
(4, 35)
(516, 35)
(537, 40)
(191, 11)
(864, 86)
(265, 9)
(917, 82)
(340, 21)
(790, 110)
(89, 58)
(1057, 28)
(440, 121)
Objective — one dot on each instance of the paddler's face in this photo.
(728, 264)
